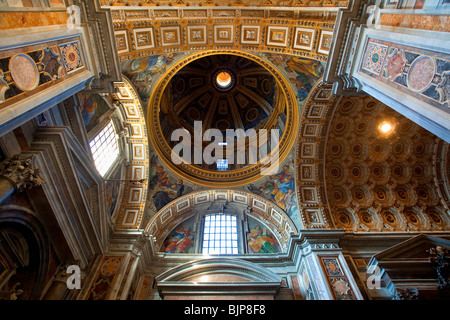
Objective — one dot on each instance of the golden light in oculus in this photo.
(223, 79)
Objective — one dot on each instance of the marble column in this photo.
(17, 175)
(58, 289)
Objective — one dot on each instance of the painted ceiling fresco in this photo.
(303, 73)
(195, 82)
(165, 186)
(144, 72)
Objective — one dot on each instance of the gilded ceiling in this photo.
(346, 175)
(247, 102)
(379, 182)
(260, 98)
(166, 28)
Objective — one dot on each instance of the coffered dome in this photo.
(227, 92)
(224, 92)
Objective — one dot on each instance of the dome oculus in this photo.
(223, 79)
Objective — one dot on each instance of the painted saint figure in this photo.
(282, 184)
(261, 241)
(179, 241)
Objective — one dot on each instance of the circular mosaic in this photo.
(344, 219)
(336, 171)
(402, 193)
(24, 72)
(369, 108)
(223, 124)
(359, 149)
(339, 195)
(379, 171)
(420, 149)
(251, 115)
(193, 114)
(340, 128)
(358, 193)
(435, 217)
(421, 73)
(356, 171)
(380, 193)
(338, 149)
(110, 266)
(424, 192)
(362, 128)
(398, 170)
(347, 108)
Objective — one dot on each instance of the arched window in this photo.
(216, 232)
(105, 148)
(220, 234)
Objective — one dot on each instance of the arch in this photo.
(135, 188)
(25, 223)
(218, 276)
(180, 209)
(315, 118)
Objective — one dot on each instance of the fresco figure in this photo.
(167, 194)
(282, 183)
(279, 188)
(162, 190)
(141, 72)
(261, 241)
(307, 73)
(303, 73)
(89, 106)
(180, 240)
(289, 201)
(311, 68)
(161, 199)
(92, 106)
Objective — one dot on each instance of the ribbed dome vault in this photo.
(223, 91)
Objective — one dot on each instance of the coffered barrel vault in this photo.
(303, 30)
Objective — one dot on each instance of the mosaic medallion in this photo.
(24, 72)
(332, 267)
(374, 57)
(395, 64)
(421, 73)
(71, 57)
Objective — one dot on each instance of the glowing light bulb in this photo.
(386, 127)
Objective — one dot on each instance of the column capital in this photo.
(21, 173)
